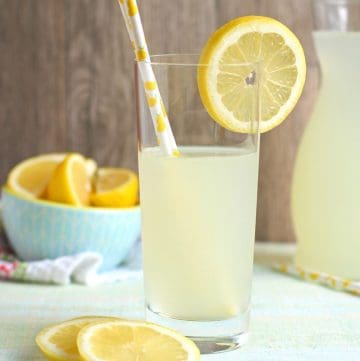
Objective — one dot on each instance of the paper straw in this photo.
(159, 116)
(322, 278)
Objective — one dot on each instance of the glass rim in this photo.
(163, 60)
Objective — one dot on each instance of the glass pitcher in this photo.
(326, 184)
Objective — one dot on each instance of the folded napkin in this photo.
(80, 268)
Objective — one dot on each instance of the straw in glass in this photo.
(159, 116)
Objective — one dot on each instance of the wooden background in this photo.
(66, 83)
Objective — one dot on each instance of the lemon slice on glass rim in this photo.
(223, 86)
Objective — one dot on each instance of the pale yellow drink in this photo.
(198, 224)
(326, 188)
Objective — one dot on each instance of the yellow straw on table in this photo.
(159, 117)
(338, 283)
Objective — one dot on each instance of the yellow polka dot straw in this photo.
(322, 278)
(159, 117)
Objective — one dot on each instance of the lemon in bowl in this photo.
(47, 211)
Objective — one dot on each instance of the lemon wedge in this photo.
(134, 340)
(115, 187)
(58, 342)
(70, 182)
(30, 177)
(224, 86)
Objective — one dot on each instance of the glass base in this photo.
(210, 336)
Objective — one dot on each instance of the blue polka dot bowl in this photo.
(40, 229)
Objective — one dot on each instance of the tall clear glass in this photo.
(198, 210)
(326, 184)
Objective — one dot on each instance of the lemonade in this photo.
(326, 191)
(198, 239)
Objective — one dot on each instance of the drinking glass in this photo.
(198, 209)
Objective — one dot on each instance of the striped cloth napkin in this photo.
(80, 268)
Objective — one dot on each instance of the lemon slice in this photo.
(58, 342)
(134, 340)
(224, 86)
(70, 182)
(115, 187)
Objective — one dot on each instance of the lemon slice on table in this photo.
(134, 340)
(58, 342)
(224, 87)
(115, 187)
(70, 182)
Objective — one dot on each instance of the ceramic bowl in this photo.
(45, 230)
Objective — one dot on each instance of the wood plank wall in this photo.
(66, 83)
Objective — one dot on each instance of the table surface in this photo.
(291, 319)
